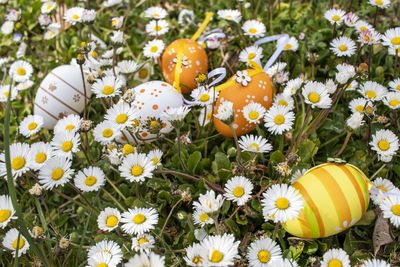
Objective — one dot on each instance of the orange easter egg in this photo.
(194, 61)
(258, 90)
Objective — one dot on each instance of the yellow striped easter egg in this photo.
(335, 198)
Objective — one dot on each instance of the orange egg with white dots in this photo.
(152, 99)
(258, 90)
(194, 61)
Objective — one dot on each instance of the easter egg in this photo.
(194, 61)
(335, 198)
(61, 93)
(152, 99)
(258, 90)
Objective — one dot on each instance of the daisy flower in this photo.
(56, 171)
(127, 66)
(391, 209)
(153, 48)
(392, 38)
(208, 202)
(351, 19)
(101, 259)
(109, 86)
(11, 242)
(394, 51)
(355, 121)
(221, 250)
(335, 16)
(204, 96)
(230, 14)
(52, 31)
(276, 68)
(285, 263)
(292, 45)
(264, 252)
(6, 211)
(175, 115)
(282, 203)
(106, 132)
(136, 167)
(238, 189)
(369, 37)
(155, 12)
(251, 53)
(20, 71)
(297, 174)
(279, 119)
(157, 27)
(314, 93)
(144, 73)
(195, 255)
(90, 179)
(40, 153)
(292, 86)
(107, 247)
(205, 115)
(143, 243)
(117, 22)
(375, 263)
(24, 85)
(253, 112)
(108, 219)
(343, 46)
(335, 257)
(395, 85)
(345, 72)
(155, 157)
(128, 149)
(117, 37)
(146, 259)
(255, 144)
(330, 86)
(30, 125)
(380, 3)
(185, 17)
(139, 220)
(47, 7)
(392, 100)
(121, 115)
(200, 217)
(225, 112)
(7, 27)
(352, 86)
(253, 28)
(373, 91)
(70, 123)
(20, 160)
(88, 16)
(382, 187)
(284, 100)
(66, 143)
(110, 3)
(74, 15)
(385, 142)
(362, 25)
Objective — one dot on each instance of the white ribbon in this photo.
(377, 191)
(278, 51)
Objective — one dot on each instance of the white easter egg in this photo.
(152, 99)
(61, 93)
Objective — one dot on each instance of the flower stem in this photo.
(275, 231)
(346, 141)
(113, 199)
(178, 135)
(170, 214)
(238, 157)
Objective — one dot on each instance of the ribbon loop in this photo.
(278, 51)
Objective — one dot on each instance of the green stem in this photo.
(178, 135)
(275, 231)
(113, 199)
(346, 141)
(332, 139)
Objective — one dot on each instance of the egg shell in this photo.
(152, 99)
(258, 90)
(197, 63)
(59, 94)
(335, 198)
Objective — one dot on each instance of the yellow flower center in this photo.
(197, 260)
(369, 110)
(363, 28)
(90, 180)
(283, 103)
(66, 146)
(155, 161)
(20, 244)
(4, 215)
(394, 102)
(396, 209)
(57, 173)
(17, 163)
(238, 191)
(204, 97)
(288, 46)
(396, 41)
(313, 97)
(107, 133)
(102, 264)
(360, 108)
(153, 49)
(279, 119)
(282, 203)
(253, 30)
(204, 217)
(49, 7)
(157, 28)
(108, 90)
(156, 15)
(336, 17)
(135, 123)
(76, 17)
(343, 48)
(335, 263)
(21, 71)
(251, 55)
(142, 241)
(229, 16)
(136, 170)
(379, 2)
(113, 22)
(253, 115)
(383, 145)
(69, 127)
(128, 149)
(40, 157)
(32, 126)
(112, 221)
(209, 114)
(139, 218)
(94, 54)
(121, 118)
(143, 73)
(382, 188)
(153, 124)
(6, 94)
(255, 146)
(263, 256)
(370, 94)
(398, 86)
(216, 256)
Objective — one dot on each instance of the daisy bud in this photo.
(64, 243)
(86, 125)
(88, 16)
(36, 190)
(80, 59)
(37, 232)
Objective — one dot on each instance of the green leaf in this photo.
(193, 161)
(307, 150)
(276, 157)
(367, 219)
(240, 221)
(311, 248)
(225, 207)
(233, 227)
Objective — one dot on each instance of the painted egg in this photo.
(152, 99)
(194, 61)
(61, 93)
(258, 90)
(335, 198)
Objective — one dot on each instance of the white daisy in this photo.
(394, 51)
(30, 125)
(382, 188)
(144, 73)
(7, 27)
(117, 37)
(20, 159)
(90, 179)
(225, 111)
(375, 263)
(284, 100)
(395, 85)
(351, 19)
(352, 86)
(127, 66)
(88, 16)
(391, 209)
(254, 28)
(362, 25)
(253, 112)
(110, 3)
(384, 185)
(185, 17)
(20, 71)
(108, 219)
(117, 22)
(121, 115)
(392, 100)
(106, 132)
(208, 202)
(157, 27)
(343, 46)
(292, 86)
(74, 15)
(297, 174)
(335, 16)
(221, 250)
(56, 171)
(7, 211)
(146, 259)
(200, 217)
(373, 91)
(175, 115)
(11, 242)
(205, 115)
(204, 96)
(380, 3)
(385, 142)
(264, 253)
(155, 12)
(24, 85)
(314, 93)
(154, 48)
(107, 247)
(40, 153)
(66, 143)
(230, 14)
(195, 255)
(70, 123)
(136, 167)
(256, 144)
(279, 119)
(101, 259)
(52, 31)
(335, 257)
(251, 53)
(369, 37)
(155, 157)
(292, 44)
(238, 189)
(139, 220)
(47, 7)
(276, 68)
(143, 243)
(109, 86)
(345, 72)
(392, 37)
(128, 149)
(282, 203)
(355, 121)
